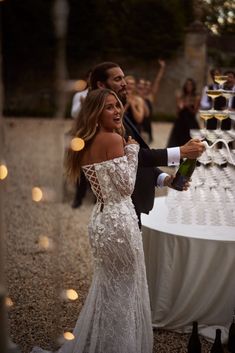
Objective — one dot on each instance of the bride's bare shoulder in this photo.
(109, 138)
(112, 142)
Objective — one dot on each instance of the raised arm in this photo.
(137, 107)
(157, 80)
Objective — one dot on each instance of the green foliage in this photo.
(219, 15)
(98, 30)
(155, 29)
(143, 28)
(28, 28)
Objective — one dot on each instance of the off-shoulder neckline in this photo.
(108, 160)
(102, 162)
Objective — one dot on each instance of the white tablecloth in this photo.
(190, 272)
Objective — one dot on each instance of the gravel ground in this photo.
(38, 272)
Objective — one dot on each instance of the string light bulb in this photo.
(3, 171)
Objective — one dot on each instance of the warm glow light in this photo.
(71, 294)
(9, 302)
(77, 144)
(37, 194)
(3, 171)
(44, 242)
(68, 336)
(80, 85)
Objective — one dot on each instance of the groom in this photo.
(110, 75)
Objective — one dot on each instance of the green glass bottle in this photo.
(231, 335)
(184, 173)
(194, 344)
(217, 345)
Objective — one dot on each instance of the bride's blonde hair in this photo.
(86, 128)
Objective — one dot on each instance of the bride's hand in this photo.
(131, 141)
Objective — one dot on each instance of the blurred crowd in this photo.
(142, 96)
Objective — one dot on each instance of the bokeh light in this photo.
(44, 242)
(80, 85)
(68, 336)
(3, 171)
(71, 294)
(9, 302)
(37, 194)
(77, 144)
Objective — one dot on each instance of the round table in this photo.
(190, 271)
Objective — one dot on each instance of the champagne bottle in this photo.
(184, 173)
(194, 344)
(217, 345)
(231, 335)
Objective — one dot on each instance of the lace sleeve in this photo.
(124, 173)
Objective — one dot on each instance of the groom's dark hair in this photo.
(99, 73)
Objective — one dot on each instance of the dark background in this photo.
(125, 31)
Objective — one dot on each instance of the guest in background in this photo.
(153, 88)
(148, 109)
(82, 185)
(187, 106)
(79, 97)
(148, 91)
(135, 105)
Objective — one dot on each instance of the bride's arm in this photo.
(123, 170)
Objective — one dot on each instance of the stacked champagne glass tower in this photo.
(210, 200)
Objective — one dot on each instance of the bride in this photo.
(116, 315)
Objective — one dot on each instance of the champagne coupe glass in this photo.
(220, 116)
(227, 94)
(205, 115)
(220, 79)
(232, 117)
(213, 94)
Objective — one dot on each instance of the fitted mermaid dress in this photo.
(116, 316)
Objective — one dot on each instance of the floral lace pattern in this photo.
(116, 315)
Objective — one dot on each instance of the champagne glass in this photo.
(205, 115)
(227, 94)
(220, 79)
(232, 117)
(220, 116)
(196, 134)
(213, 94)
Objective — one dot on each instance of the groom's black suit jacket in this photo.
(147, 173)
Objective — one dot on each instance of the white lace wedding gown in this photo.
(116, 315)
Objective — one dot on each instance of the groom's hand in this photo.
(169, 179)
(192, 149)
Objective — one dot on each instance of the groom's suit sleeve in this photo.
(152, 157)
